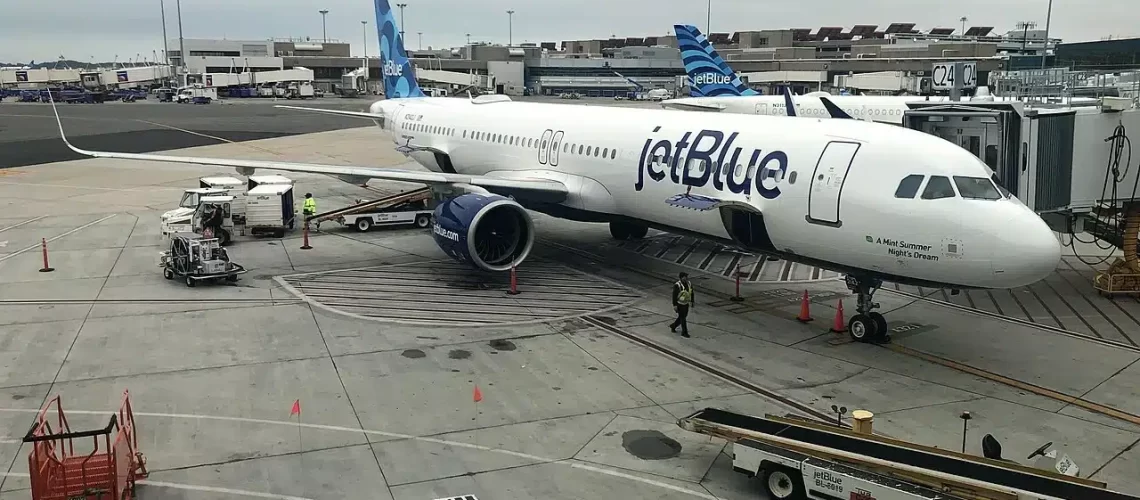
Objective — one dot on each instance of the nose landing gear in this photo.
(867, 325)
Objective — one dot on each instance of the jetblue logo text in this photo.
(708, 156)
(712, 79)
(393, 69)
(451, 235)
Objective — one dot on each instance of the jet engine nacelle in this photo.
(489, 232)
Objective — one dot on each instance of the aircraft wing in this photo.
(692, 106)
(356, 114)
(535, 189)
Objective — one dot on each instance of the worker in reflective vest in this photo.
(309, 208)
(682, 301)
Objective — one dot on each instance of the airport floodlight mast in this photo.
(181, 45)
(708, 20)
(364, 28)
(401, 6)
(421, 34)
(1045, 43)
(510, 27)
(963, 19)
(324, 31)
(165, 43)
(1025, 26)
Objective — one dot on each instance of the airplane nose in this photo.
(1034, 254)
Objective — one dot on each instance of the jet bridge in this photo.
(1071, 165)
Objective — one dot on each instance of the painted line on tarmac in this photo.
(29, 221)
(194, 487)
(1107, 411)
(208, 136)
(139, 189)
(1017, 321)
(53, 238)
(336, 428)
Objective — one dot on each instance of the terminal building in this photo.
(803, 59)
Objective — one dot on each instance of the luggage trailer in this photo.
(799, 459)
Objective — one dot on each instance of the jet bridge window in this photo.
(939, 187)
(909, 186)
(976, 188)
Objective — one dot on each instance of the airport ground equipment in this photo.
(59, 468)
(270, 209)
(799, 459)
(193, 258)
(410, 207)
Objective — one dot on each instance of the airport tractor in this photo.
(797, 458)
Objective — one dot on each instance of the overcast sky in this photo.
(82, 30)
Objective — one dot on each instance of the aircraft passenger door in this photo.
(555, 143)
(827, 184)
(544, 146)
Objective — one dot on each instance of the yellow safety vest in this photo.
(684, 294)
(310, 205)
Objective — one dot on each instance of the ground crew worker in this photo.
(309, 208)
(682, 301)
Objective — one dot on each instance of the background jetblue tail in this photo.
(708, 74)
(398, 73)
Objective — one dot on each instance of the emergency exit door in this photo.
(827, 184)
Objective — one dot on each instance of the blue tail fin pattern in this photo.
(398, 73)
(709, 75)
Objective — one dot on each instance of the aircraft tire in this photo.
(882, 331)
(862, 328)
(619, 231)
(638, 232)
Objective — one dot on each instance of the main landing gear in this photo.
(628, 231)
(866, 325)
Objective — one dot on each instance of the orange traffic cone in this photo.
(840, 326)
(805, 314)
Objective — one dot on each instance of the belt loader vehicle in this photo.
(799, 459)
(408, 208)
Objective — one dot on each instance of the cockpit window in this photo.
(938, 187)
(977, 188)
(1004, 192)
(909, 186)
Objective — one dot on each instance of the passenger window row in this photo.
(514, 140)
(939, 186)
(430, 129)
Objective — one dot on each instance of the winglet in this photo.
(834, 110)
(788, 102)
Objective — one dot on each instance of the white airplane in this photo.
(876, 202)
(716, 87)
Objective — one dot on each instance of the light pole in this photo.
(708, 20)
(364, 28)
(963, 19)
(1045, 46)
(421, 34)
(469, 39)
(401, 6)
(324, 32)
(510, 28)
(181, 44)
(165, 47)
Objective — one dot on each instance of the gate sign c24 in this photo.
(943, 75)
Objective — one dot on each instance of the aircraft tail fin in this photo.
(395, 68)
(708, 74)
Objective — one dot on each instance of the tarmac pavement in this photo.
(568, 409)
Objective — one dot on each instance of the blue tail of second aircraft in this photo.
(398, 73)
(708, 74)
